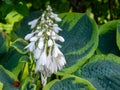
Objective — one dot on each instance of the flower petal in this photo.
(60, 38)
(41, 43)
(34, 39)
(50, 43)
(37, 53)
(56, 28)
(28, 36)
(33, 23)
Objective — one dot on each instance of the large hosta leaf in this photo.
(10, 61)
(7, 79)
(103, 71)
(81, 39)
(107, 38)
(69, 83)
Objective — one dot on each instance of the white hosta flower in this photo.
(57, 19)
(52, 15)
(49, 22)
(37, 53)
(49, 8)
(48, 33)
(38, 27)
(56, 51)
(50, 43)
(58, 45)
(41, 43)
(28, 36)
(31, 46)
(53, 67)
(42, 58)
(55, 16)
(49, 59)
(60, 61)
(56, 64)
(60, 38)
(42, 19)
(41, 61)
(33, 23)
(45, 71)
(56, 28)
(34, 39)
(53, 36)
(40, 33)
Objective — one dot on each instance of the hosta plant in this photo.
(69, 51)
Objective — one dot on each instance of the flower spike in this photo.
(49, 59)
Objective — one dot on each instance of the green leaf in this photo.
(5, 9)
(13, 17)
(107, 38)
(8, 1)
(1, 85)
(22, 9)
(24, 58)
(118, 36)
(103, 71)
(109, 26)
(28, 85)
(69, 83)
(10, 61)
(81, 39)
(4, 42)
(7, 78)
(19, 45)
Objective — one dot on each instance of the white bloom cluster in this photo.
(43, 44)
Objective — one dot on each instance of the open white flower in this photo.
(28, 36)
(41, 61)
(60, 38)
(56, 28)
(56, 51)
(34, 39)
(55, 16)
(48, 57)
(37, 53)
(41, 43)
(31, 46)
(33, 23)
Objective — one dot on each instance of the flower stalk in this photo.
(47, 55)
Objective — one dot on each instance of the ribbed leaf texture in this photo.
(69, 83)
(81, 39)
(102, 71)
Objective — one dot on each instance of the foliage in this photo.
(91, 50)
